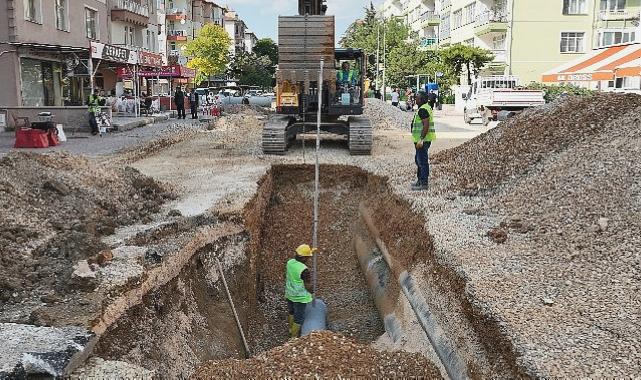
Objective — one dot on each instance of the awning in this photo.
(630, 69)
(174, 71)
(599, 64)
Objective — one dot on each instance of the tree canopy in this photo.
(209, 52)
(267, 47)
(472, 58)
(252, 70)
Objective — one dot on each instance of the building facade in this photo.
(42, 43)
(527, 38)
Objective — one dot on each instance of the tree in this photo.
(267, 47)
(209, 52)
(472, 58)
(251, 70)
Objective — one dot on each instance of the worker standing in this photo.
(423, 133)
(297, 285)
(94, 102)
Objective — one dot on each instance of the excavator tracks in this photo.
(360, 136)
(275, 134)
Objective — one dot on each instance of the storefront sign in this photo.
(173, 71)
(574, 77)
(149, 59)
(113, 53)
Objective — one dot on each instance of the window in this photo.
(469, 13)
(469, 42)
(91, 23)
(607, 38)
(61, 15)
(612, 5)
(457, 19)
(33, 11)
(575, 7)
(132, 37)
(498, 42)
(572, 42)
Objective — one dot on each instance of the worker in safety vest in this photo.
(94, 101)
(423, 133)
(346, 76)
(297, 286)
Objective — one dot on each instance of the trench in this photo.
(188, 321)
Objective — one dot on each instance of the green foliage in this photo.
(554, 91)
(209, 52)
(252, 70)
(267, 47)
(472, 58)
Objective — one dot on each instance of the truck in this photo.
(497, 98)
(304, 40)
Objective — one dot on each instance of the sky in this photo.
(261, 16)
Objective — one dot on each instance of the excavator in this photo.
(303, 41)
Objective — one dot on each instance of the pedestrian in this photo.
(395, 96)
(297, 288)
(93, 102)
(193, 104)
(179, 99)
(432, 99)
(377, 94)
(423, 133)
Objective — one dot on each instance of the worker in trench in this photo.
(297, 287)
(423, 133)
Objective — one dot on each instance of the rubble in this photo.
(384, 116)
(324, 355)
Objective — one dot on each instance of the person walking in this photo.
(395, 97)
(193, 104)
(297, 288)
(432, 99)
(423, 133)
(93, 102)
(179, 99)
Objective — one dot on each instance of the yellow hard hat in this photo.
(305, 250)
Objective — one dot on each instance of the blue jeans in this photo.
(422, 163)
(297, 309)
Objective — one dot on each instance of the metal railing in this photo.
(430, 16)
(177, 33)
(500, 55)
(618, 15)
(176, 11)
(490, 17)
(132, 7)
(429, 41)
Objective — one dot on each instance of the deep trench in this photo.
(189, 320)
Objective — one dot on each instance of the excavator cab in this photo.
(347, 96)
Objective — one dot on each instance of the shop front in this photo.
(174, 75)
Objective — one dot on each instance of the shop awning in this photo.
(599, 64)
(630, 69)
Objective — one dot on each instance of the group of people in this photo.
(432, 98)
(208, 103)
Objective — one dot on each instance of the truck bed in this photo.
(510, 98)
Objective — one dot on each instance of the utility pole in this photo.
(384, 59)
(378, 48)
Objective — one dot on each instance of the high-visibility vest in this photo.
(417, 125)
(350, 76)
(93, 103)
(294, 285)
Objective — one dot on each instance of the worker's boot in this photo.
(290, 321)
(294, 332)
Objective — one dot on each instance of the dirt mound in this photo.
(246, 109)
(322, 355)
(515, 146)
(385, 116)
(53, 210)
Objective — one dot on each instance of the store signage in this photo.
(149, 59)
(573, 77)
(113, 53)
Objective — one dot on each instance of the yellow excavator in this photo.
(303, 41)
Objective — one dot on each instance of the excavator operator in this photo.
(346, 76)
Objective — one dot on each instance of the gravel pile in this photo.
(322, 355)
(385, 116)
(53, 210)
(245, 109)
(515, 146)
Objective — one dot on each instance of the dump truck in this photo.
(303, 41)
(498, 97)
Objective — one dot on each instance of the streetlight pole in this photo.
(378, 48)
(384, 59)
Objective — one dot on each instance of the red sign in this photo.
(149, 59)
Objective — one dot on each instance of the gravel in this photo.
(323, 355)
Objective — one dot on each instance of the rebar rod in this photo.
(233, 308)
(319, 87)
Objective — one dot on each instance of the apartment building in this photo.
(236, 29)
(134, 24)
(250, 41)
(42, 43)
(526, 37)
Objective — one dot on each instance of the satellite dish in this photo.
(182, 60)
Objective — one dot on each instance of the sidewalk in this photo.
(94, 146)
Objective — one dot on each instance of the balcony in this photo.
(177, 35)
(130, 12)
(430, 18)
(429, 43)
(500, 56)
(176, 14)
(491, 22)
(618, 15)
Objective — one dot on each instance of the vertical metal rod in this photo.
(316, 178)
(233, 308)
(90, 69)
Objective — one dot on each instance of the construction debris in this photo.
(325, 354)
